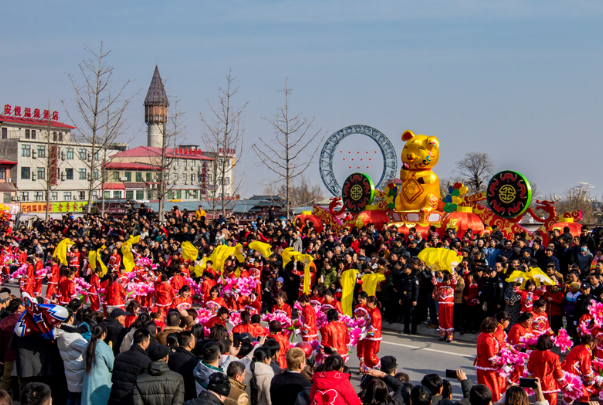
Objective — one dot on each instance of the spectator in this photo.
(435, 385)
(183, 361)
(98, 360)
(71, 346)
(7, 326)
(420, 395)
(287, 385)
(217, 391)
(36, 394)
(115, 325)
(128, 366)
(331, 385)
(236, 376)
(258, 375)
(173, 322)
(159, 385)
(208, 366)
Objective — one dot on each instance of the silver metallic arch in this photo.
(390, 158)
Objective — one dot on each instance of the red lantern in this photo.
(460, 221)
(312, 218)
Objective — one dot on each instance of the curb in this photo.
(423, 330)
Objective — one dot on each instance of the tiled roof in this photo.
(34, 122)
(156, 94)
(153, 151)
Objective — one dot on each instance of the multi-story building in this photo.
(43, 155)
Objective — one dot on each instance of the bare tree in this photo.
(223, 132)
(475, 170)
(302, 193)
(293, 148)
(100, 105)
(578, 198)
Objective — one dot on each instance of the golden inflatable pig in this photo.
(420, 188)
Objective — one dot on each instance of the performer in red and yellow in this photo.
(545, 365)
(115, 294)
(218, 319)
(183, 301)
(360, 311)
(372, 342)
(67, 288)
(164, 294)
(276, 332)
(522, 328)
(331, 302)
(53, 280)
(208, 283)
(308, 315)
(540, 324)
(245, 326)
(39, 277)
(93, 291)
(214, 299)
(487, 350)
(445, 305)
(281, 305)
(74, 259)
(27, 283)
(503, 319)
(335, 336)
(579, 363)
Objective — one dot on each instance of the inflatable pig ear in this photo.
(407, 135)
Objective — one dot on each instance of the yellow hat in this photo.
(576, 285)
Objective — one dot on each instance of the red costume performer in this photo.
(528, 298)
(335, 335)
(38, 277)
(445, 307)
(285, 308)
(372, 341)
(28, 281)
(93, 292)
(514, 339)
(361, 312)
(213, 321)
(501, 336)
(540, 325)
(259, 330)
(74, 261)
(579, 363)
(182, 303)
(53, 282)
(333, 304)
(308, 327)
(546, 366)
(245, 328)
(164, 295)
(487, 374)
(283, 342)
(66, 291)
(115, 295)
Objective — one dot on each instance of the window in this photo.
(69, 153)
(128, 176)
(39, 196)
(82, 195)
(28, 135)
(83, 154)
(117, 194)
(24, 196)
(41, 151)
(25, 173)
(149, 195)
(192, 178)
(107, 194)
(96, 174)
(227, 181)
(169, 194)
(149, 177)
(4, 133)
(69, 174)
(178, 194)
(115, 176)
(41, 173)
(66, 195)
(139, 195)
(138, 177)
(54, 196)
(94, 195)
(61, 137)
(96, 156)
(210, 178)
(2, 173)
(33, 134)
(186, 194)
(183, 177)
(195, 193)
(7, 198)
(25, 150)
(130, 194)
(54, 136)
(193, 164)
(83, 174)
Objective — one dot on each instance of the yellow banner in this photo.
(61, 206)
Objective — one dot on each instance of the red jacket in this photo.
(286, 308)
(164, 294)
(283, 342)
(245, 328)
(332, 388)
(66, 291)
(578, 361)
(540, 324)
(309, 326)
(487, 349)
(335, 304)
(374, 330)
(115, 295)
(545, 365)
(501, 336)
(335, 335)
(214, 320)
(516, 332)
(554, 307)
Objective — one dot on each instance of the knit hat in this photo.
(219, 384)
(576, 285)
(159, 352)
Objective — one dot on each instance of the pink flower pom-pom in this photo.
(596, 310)
(234, 318)
(573, 387)
(563, 341)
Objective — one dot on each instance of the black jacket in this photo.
(34, 355)
(286, 386)
(159, 386)
(184, 362)
(466, 386)
(205, 398)
(127, 367)
(408, 288)
(113, 331)
(493, 292)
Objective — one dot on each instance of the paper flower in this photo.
(563, 341)
(574, 386)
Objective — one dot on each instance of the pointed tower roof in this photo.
(156, 94)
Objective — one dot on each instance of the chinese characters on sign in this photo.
(64, 206)
(54, 165)
(16, 112)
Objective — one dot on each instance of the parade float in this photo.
(414, 199)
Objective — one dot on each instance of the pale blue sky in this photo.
(520, 80)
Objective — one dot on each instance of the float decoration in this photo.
(454, 198)
(358, 192)
(509, 194)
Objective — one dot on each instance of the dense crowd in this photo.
(148, 304)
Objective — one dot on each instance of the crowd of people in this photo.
(149, 305)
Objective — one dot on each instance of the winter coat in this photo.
(126, 368)
(458, 291)
(237, 395)
(7, 326)
(162, 337)
(113, 330)
(201, 374)
(34, 355)
(159, 386)
(96, 387)
(205, 398)
(184, 362)
(71, 347)
(286, 386)
(263, 376)
(333, 388)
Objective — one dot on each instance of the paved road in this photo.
(416, 355)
